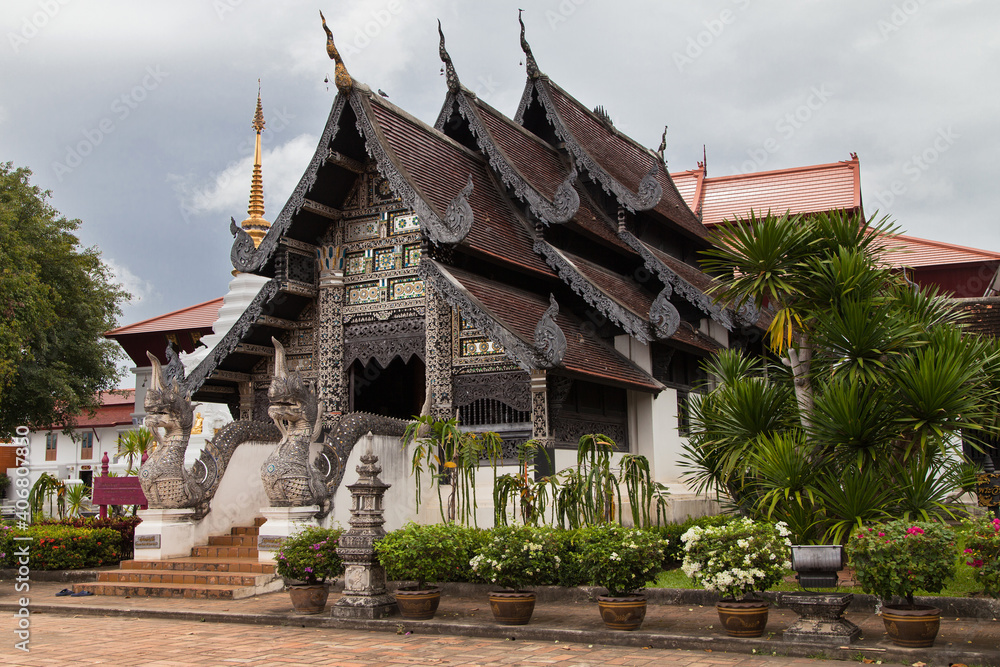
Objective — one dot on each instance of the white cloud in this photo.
(229, 191)
(139, 288)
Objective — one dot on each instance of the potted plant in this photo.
(516, 557)
(899, 558)
(306, 560)
(735, 560)
(622, 560)
(983, 552)
(420, 554)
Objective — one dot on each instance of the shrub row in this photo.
(465, 543)
(123, 525)
(55, 547)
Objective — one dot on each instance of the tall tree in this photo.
(56, 299)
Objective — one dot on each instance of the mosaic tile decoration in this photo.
(411, 255)
(354, 264)
(380, 191)
(406, 288)
(478, 347)
(364, 293)
(403, 224)
(384, 259)
(464, 324)
(361, 229)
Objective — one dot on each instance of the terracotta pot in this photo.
(418, 604)
(309, 598)
(743, 618)
(622, 613)
(912, 627)
(512, 608)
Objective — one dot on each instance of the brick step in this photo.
(259, 521)
(183, 577)
(224, 552)
(245, 530)
(189, 563)
(197, 591)
(232, 541)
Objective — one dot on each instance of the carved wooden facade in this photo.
(494, 264)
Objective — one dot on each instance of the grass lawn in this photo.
(961, 586)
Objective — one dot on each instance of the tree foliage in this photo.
(858, 412)
(56, 299)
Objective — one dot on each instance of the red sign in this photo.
(118, 491)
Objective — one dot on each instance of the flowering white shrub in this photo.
(516, 557)
(737, 558)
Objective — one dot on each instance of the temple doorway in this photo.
(394, 391)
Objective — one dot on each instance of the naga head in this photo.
(293, 400)
(166, 405)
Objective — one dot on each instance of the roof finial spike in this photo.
(258, 117)
(663, 144)
(343, 80)
(451, 75)
(704, 160)
(530, 65)
(255, 225)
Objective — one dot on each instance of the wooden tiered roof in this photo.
(552, 205)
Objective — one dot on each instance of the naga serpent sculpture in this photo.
(165, 481)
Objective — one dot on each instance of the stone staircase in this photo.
(225, 569)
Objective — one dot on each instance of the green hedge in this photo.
(124, 525)
(63, 547)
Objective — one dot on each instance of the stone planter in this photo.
(622, 613)
(512, 608)
(911, 627)
(309, 598)
(821, 618)
(743, 618)
(418, 604)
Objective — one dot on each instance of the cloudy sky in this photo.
(136, 115)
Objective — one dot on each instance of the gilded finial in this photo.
(343, 80)
(450, 75)
(530, 65)
(255, 225)
(258, 117)
(663, 143)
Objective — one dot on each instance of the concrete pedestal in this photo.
(821, 618)
(280, 523)
(164, 534)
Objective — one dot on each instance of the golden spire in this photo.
(256, 226)
(340, 76)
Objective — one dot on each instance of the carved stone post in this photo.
(332, 377)
(438, 355)
(539, 407)
(365, 594)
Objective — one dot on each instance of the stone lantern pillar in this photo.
(365, 594)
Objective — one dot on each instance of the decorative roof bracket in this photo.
(550, 341)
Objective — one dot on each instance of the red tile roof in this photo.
(822, 187)
(198, 316)
(115, 410)
(912, 252)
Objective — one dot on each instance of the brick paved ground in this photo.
(96, 640)
(106, 628)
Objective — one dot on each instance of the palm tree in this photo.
(868, 387)
(133, 444)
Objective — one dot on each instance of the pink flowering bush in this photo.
(983, 552)
(900, 557)
(310, 555)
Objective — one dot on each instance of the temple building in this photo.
(535, 275)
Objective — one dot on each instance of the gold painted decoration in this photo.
(255, 225)
(343, 80)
